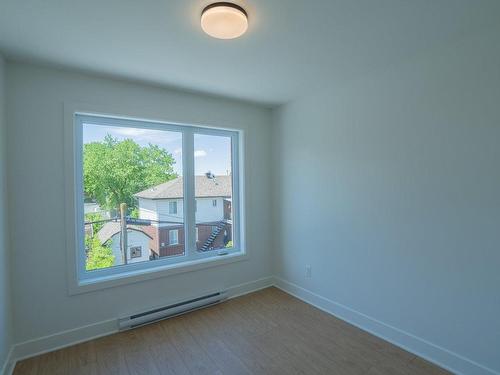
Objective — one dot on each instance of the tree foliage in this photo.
(113, 171)
(98, 256)
(96, 221)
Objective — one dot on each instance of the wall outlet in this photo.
(308, 272)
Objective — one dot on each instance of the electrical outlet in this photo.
(308, 272)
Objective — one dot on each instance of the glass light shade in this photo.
(224, 20)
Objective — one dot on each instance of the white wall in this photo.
(35, 117)
(5, 300)
(134, 238)
(163, 211)
(148, 209)
(206, 212)
(397, 181)
(158, 209)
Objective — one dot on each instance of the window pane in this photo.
(213, 191)
(133, 194)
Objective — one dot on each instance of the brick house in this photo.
(162, 205)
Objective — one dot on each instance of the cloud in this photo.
(131, 132)
(144, 136)
(200, 153)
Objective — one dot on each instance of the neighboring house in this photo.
(93, 207)
(138, 241)
(163, 204)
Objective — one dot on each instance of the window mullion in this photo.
(189, 192)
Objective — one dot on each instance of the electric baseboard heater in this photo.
(169, 311)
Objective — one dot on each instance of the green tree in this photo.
(113, 171)
(96, 220)
(98, 255)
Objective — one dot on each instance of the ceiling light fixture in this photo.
(224, 20)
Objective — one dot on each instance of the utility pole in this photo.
(123, 232)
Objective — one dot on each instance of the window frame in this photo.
(135, 247)
(80, 280)
(170, 231)
(170, 205)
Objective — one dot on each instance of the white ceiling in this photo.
(292, 46)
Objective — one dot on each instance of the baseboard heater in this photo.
(169, 311)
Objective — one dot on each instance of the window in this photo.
(215, 181)
(154, 184)
(135, 252)
(173, 237)
(172, 208)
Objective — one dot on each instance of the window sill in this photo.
(124, 278)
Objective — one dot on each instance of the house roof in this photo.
(113, 227)
(220, 186)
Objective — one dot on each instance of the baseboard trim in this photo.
(8, 366)
(63, 339)
(416, 345)
(78, 335)
(250, 287)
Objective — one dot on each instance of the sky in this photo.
(212, 153)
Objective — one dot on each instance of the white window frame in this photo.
(171, 205)
(170, 232)
(197, 234)
(82, 281)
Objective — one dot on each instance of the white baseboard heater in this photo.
(169, 311)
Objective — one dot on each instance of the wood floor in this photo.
(266, 332)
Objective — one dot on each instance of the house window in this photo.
(173, 237)
(135, 252)
(138, 173)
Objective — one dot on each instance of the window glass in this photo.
(173, 236)
(129, 176)
(135, 251)
(132, 177)
(213, 184)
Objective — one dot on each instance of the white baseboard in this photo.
(416, 345)
(74, 336)
(63, 339)
(252, 286)
(434, 353)
(8, 366)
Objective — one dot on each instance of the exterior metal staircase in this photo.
(210, 240)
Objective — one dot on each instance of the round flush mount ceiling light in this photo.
(224, 20)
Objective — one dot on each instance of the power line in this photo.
(133, 221)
